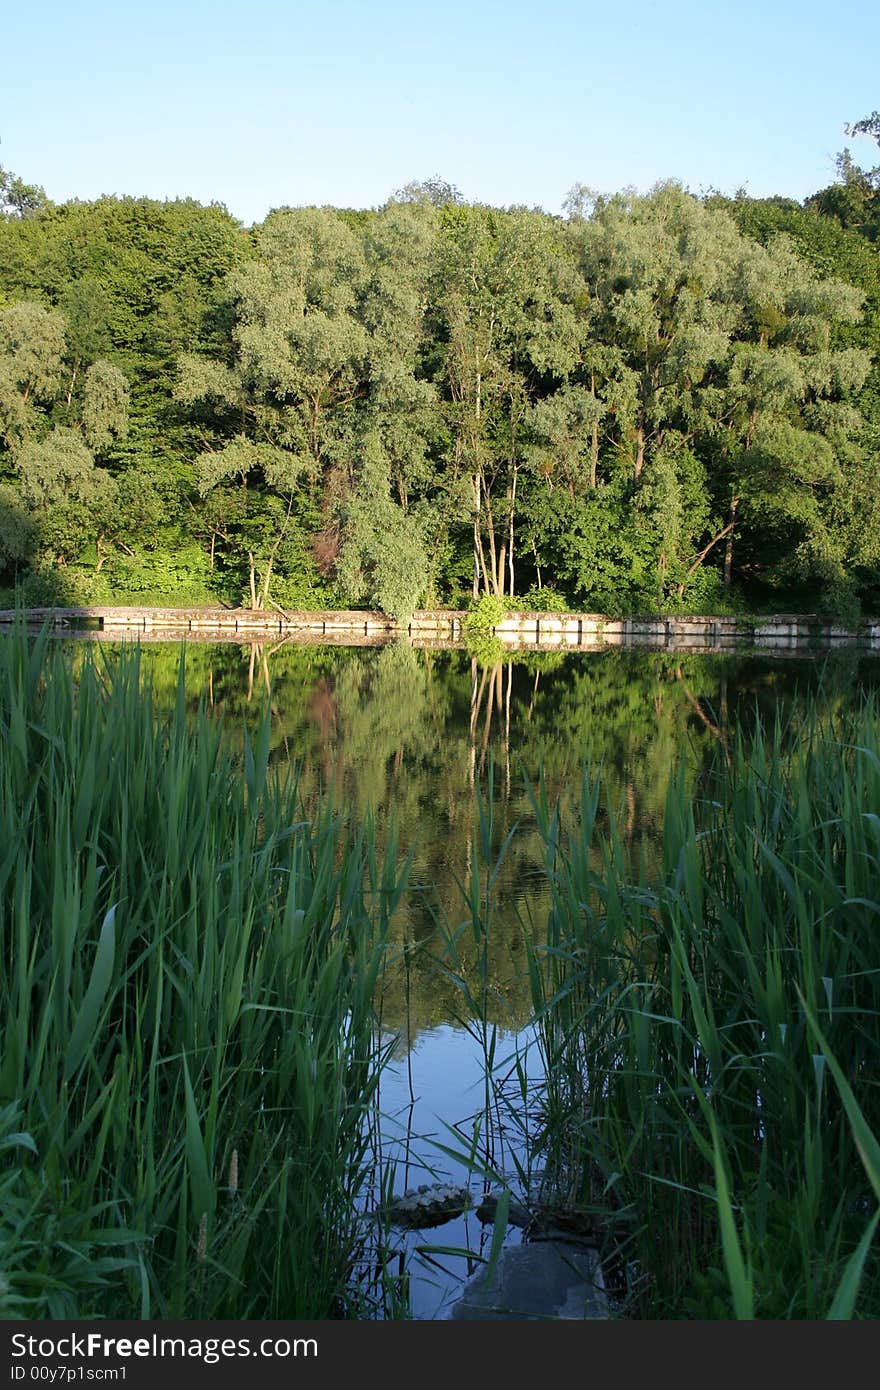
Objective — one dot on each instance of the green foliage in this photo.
(621, 406)
(181, 579)
(484, 615)
(17, 530)
(189, 1045)
(603, 558)
(383, 561)
(705, 592)
(31, 349)
(64, 491)
(687, 1107)
(105, 406)
(19, 199)
(485, 648)
(543, 600)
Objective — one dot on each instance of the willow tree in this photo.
(504, 321)
(718, 360)
(65, 496)
(32, 343)
(18, 534)
(72, 500)
(69, 498)
(297, 349)
(282, 405)
(390, 524)
(789, 408)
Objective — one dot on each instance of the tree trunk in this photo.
(264, 591)
(728, 549)
(510, 532)
(594, 439)
(497, 587)
(72, 381)
(640, 451)
(725, 531)
(479, 555)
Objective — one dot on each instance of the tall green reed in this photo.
(188, 969)
(687, 1108)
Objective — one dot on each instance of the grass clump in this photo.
(187, 974)
(711, 1033)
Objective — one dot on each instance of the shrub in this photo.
(485, 615)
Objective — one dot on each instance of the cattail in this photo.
(233, 1173)
(202, 1247)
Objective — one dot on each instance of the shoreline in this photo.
(446, 628)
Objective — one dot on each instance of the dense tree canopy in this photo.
(656, 402)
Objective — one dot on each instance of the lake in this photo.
(438, 750)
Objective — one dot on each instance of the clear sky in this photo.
(273, 102)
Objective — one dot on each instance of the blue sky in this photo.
(267, 103)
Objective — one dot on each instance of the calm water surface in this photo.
(415, 738)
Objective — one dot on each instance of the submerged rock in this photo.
(517, 1214)
(428, 1205)
(548, 1280)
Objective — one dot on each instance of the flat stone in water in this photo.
(428, 1206)
(543, 1279)
(517, 1214)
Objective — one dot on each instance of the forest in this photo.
(230, 893)
(652, 403)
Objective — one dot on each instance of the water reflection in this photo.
(433, 1115)
(420, 740)
(414, 737)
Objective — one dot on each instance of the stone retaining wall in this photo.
(445, 627)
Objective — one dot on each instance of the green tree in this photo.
(31, 351)
(283, 403)
(60, 502)
(259, 528)
(136, 280)
(19, 199)
(384, 560)
(718, 360)
(384, 557)
(18, 533)
(436, 191)
(854, 198)
(87, 335)
(320, 385)
(105, 406)
(505, 320)
(835, 250)
(64, 492)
